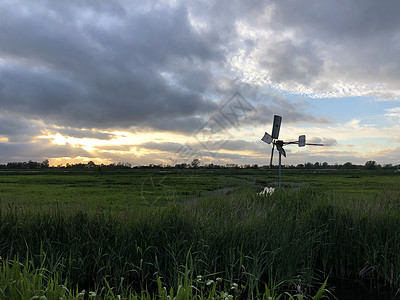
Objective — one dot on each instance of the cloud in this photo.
(166, 146)
(87, 69)
(325, 141)
(38, 151)
(393, 112)
(330, 49)
(290, 63)
(291, 112)
(104, 68)
(384, 155)
(18, 129)
(80, 133)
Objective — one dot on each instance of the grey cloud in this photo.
(292, 64)
(324, 140)
(359, 39)
(355, 18)
(112, 148)
(185, 125)
(243, 145)
(37, 151)
(145, 66)
(98, 65)
(291, 112)
(83, 133)
(165, 146)
(101, 75)
(230, 145)
(222, 155)
(18, 129)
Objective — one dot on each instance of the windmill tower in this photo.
(301, 142)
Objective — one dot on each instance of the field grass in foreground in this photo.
(290, 241)
(119, 190)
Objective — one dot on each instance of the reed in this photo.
(289, 242)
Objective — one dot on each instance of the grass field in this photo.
(204, 230)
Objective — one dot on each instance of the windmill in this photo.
(301, 142)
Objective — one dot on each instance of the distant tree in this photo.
(325, 165)
(308, 165)
(31, 164)
(91, 164)
(195, 163)
(44, 164)
(388, 167)
(348, 165)
(371, 165)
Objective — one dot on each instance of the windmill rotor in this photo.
(279, 147)
(273, 139)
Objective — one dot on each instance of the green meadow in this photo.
(198, 233)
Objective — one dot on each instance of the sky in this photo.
(164, 82)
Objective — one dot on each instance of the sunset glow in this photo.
(137, 83)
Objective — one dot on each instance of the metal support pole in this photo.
(280, 158)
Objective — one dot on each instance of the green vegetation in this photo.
(211, 236)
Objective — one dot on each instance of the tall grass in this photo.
(290, 240)
(22, 281)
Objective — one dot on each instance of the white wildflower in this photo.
(267, 191)
(210, 282)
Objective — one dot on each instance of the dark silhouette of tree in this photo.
(44, 164)
(91, 164)
(349, 165)
(195, 163)
(371, 165)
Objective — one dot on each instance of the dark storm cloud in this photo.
(101, 68)
(17, 129)
(109, 65)
(37, 151)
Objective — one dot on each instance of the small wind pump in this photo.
(279, 143)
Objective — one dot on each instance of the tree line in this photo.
(195, 164)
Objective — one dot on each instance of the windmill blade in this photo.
(302, 140)
(267, 138)
(276, 126)
(290, 143)
(281, 150)
(272, 156)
